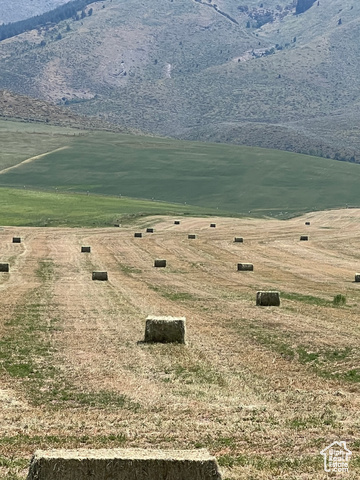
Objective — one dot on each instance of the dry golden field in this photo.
(262, 388)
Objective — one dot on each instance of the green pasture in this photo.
(217, 177)
(35, 208)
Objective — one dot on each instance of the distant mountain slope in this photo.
(15, 10)
(20, 107)
(252, 73)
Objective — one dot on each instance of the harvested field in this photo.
(263, 389)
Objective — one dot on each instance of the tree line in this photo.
(63, 12)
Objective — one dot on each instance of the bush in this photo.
(339, 299)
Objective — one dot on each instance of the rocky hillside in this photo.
(241, 71)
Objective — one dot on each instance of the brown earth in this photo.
(245, 386)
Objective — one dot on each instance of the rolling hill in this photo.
(230, 179)
(251, 73)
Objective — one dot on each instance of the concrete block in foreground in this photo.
(165, 329)
(268, 299)
(123, 464)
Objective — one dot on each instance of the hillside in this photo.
(228, 72)
(21, 107)
(21, 9)
(230, 178)
(265, 389)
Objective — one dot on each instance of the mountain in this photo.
(16, 10)
(245, 72)
(20, 107)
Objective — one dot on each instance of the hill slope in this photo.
(234, 179)
(21, 9)
(236, 73)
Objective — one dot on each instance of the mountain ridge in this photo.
(184, 70)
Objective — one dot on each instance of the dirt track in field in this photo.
(230, 388)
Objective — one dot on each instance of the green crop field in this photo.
(35, 208)
(225, 178)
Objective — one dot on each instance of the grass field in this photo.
(264, 389)
(233, 179)
(35, 208)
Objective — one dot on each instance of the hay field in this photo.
(264, 389)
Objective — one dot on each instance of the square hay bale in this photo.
(245, 267)
(16, 240)
(177, 222)
(212, 225)
(165, 329)
(304, 238)
(307, 223)
(137, 234)
(150, 230)
(268, 299)
(4, 267)
(357, 277)
(85, 249)
(239, 239)
(99, 275)
(191, 236)
(123, 464)
(160, 263)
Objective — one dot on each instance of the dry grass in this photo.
(263, 389)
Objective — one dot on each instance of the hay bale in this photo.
(357, 277)
(304, 238)
(150, 230)
(245, 267)
(212, 225)
(137, 234)
(177, 222)
(165, 329)
(307, 223)
(123, 464)
(16, 240)
(85, 249)
(238, 239)
(160, 263)
(268, 299)
(191, 236)
(99, 275)
(4, 267)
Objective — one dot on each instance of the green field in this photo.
(35, 208)
(227, 178)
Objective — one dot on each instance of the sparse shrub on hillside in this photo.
(68, 10)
